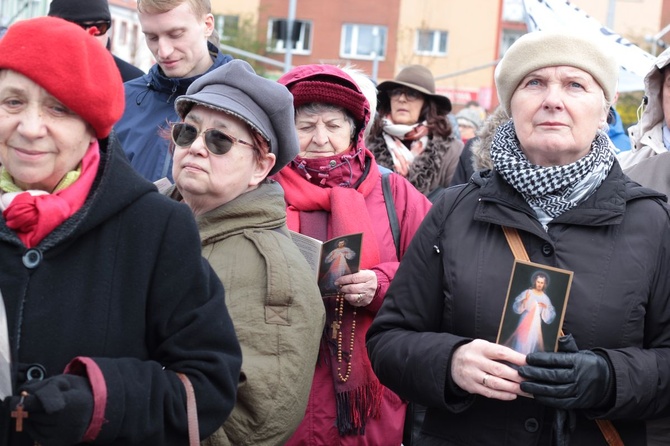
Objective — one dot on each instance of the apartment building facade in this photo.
(458, 41)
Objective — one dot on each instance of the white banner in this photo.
(557, 15)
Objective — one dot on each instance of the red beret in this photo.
(70, 64)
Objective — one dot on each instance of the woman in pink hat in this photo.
(334, 188)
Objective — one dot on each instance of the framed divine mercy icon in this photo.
(535, 305)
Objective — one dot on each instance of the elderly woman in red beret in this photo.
(333, 188)
(110, 308)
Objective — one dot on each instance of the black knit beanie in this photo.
(80, 10)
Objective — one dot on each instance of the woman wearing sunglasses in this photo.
(412, 134)
(334, 188)
(237, 129)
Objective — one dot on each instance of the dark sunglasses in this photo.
(217, 142)
(410, 94)
(102, 26)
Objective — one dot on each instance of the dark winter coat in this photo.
(451, 288)
(464, 169)
(123, 282)
(128, 71)
(476, 154)
(150, 108)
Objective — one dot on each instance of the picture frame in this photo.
(537, 297)
(337, 260)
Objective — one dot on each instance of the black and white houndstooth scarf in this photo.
(550, 191)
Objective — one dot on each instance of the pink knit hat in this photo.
(329, 89)
(70, 64)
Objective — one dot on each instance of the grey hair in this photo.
(317, 108)
(368, 88)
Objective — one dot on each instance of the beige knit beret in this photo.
(541, 49)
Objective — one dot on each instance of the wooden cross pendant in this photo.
(19, 413)
(335, 327)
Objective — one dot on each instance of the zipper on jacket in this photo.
(140, 97)
(174, 90)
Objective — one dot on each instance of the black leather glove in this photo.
(565, 422)
(567, 344)
(564, 419)
(579, 380)
(59, 409)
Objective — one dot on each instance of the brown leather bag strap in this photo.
(610, 433)
(191, 412)
(516, 245)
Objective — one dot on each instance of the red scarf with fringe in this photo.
(360, 397)
(33, 217)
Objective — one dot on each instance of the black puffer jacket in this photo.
(451, 288)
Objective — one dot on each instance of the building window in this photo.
(431, 43)
(227, 26)
(363, 41)
(509, 36)
(134, 37)
(123, 33)
(301, 33)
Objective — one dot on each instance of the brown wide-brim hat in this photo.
(420, 79)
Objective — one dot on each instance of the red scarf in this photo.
(33, 217)
(361, 396)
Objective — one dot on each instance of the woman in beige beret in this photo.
(555, 181)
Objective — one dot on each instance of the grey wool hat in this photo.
(540, 49)
(265, 105)
(471, 117)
